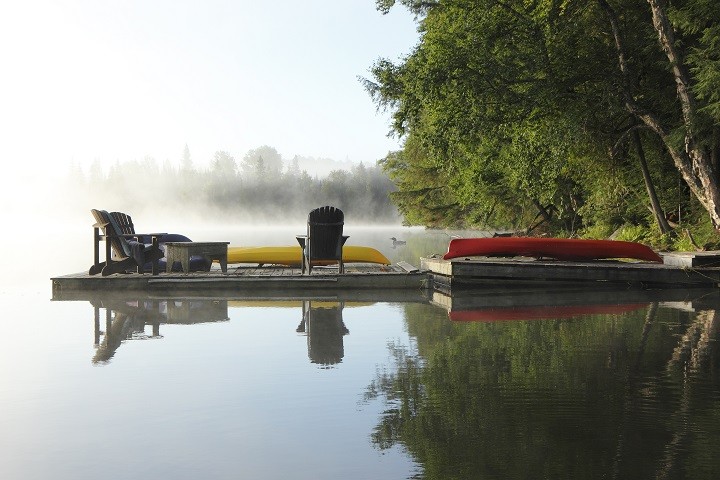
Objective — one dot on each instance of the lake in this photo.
(516, 384)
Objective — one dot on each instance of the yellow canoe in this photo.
(292, 255)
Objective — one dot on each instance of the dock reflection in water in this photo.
(481, 384)
(127, 319)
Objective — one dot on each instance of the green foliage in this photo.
(700, 21)
(598, 231)
(700, 235)
(633, 233)
(423, 195)
(510, 107)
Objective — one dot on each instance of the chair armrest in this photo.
(136, 235)
(154, 237)
(145, 234)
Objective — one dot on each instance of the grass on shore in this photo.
(699, 236)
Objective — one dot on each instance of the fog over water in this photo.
(54, 220)
(65, 244)
(51, 213)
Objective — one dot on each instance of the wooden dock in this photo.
(249, 278)
(677, 271)
(680, 270)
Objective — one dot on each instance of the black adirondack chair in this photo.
(324, 240)
(123, 251)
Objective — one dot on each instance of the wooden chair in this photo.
(324, 240)
(124, 249)
(124, 222)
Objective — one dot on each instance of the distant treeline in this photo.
(260, 187)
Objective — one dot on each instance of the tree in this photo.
(186, 164)
(477, 97)
(294, 167)
(223, 164)
(262, 161)
(529, 96)
(423, 194)
(691, 156)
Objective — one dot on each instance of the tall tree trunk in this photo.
(715, 152)
(693, 162)
(700, 160)
(650, 187)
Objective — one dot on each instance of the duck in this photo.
(397, 242)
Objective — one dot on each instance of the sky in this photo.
(107, 81)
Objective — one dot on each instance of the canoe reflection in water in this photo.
(323, 324)
(128, 319)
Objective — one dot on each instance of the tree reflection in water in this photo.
(631, 395)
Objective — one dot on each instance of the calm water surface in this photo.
(498, 384)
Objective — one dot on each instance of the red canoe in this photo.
(559, 248)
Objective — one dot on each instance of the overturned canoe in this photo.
(292, 255)
(558, 248)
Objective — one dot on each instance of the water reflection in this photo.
(324, 327)
(140, 319)
(626, 386)
(490, 305)
(127, 319)
(482, 384)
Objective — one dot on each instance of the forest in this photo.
(577, 118)
(261, 187)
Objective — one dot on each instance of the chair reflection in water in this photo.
(323, 325)
(127, 319)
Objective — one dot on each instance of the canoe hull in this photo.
(292, 255)
(559, 248)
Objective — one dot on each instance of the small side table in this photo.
(182, 251)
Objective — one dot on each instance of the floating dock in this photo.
(245, 278)
(679, 270)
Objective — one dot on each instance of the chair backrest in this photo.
(124, 222)
(112, 229)
(325, 233)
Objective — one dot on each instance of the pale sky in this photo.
(121, 80)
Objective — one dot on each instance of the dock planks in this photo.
(478, 271)
(679, 271)
(362, 277)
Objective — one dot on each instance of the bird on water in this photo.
(397, 242)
